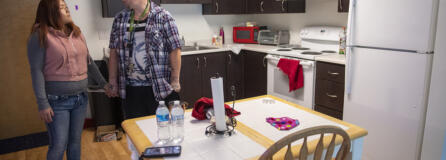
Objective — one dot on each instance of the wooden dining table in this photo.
(252, 135)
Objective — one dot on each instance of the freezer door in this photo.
(434, 142)
(387, 99)
(399, 24)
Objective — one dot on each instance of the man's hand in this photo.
(175, 62)
(46, 115)
(111, 89)
(176, 86)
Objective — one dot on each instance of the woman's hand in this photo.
(47, 115)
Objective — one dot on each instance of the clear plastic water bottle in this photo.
(177, 113)
(163, 121)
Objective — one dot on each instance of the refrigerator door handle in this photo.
(349, 50)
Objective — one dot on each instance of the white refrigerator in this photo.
(389, 62)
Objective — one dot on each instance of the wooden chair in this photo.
(343, 153)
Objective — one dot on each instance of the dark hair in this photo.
(48, 15)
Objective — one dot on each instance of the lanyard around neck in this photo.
(132, 15)
(132, 26)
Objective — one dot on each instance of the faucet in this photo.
(196, 46)
(182, 41)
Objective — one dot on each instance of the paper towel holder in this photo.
(230, 127)
(216, 75)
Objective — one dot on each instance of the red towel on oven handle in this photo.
(201, 106)
(294, 70)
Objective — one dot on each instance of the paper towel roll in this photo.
(219, 109)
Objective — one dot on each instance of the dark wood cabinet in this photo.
(343, 5)
(275, 6)
(329, 89)
(112, 7)
(196, 71)
(330, 94)
(185, 1)
(245, 71)
(296, 6)
(224, 7)
(255, 74)
(234, 76)
(212, 8)
(254, 6)
(191, 79)
(328, 111)
(213, 64)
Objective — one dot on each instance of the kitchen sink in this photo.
(193, 48)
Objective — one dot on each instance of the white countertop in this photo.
(335, 58)
(227, 47)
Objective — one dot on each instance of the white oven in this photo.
(316, 41)
(278, 83)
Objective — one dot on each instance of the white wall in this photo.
(318, 12)
(197, 27)
(435, 129)
(89, 18)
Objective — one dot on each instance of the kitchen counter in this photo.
(335, 58)
(227, 47)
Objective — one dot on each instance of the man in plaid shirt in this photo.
(145, 58)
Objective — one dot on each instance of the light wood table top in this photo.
(141, 142)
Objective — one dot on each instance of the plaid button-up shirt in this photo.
(161, 38)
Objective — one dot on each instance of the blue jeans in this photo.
(66, 128)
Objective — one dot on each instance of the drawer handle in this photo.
(333, 73)
(332, 95)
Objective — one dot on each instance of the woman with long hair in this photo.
(60, 64)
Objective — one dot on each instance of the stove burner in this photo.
(300, 48)
(328, 51)
(283, 49)
(311, 53)
(288, 45)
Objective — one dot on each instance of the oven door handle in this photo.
(275, 60)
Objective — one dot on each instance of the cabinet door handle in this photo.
(261, 6)
(264, 61)
(340, 5)
(198, 63)
(331, 95)
(283, 8)
(230, 58)
(205, 61)
(216, 6)
(333, 73)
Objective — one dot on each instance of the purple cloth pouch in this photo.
(283, 123)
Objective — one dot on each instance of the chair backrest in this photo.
(343, 153)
